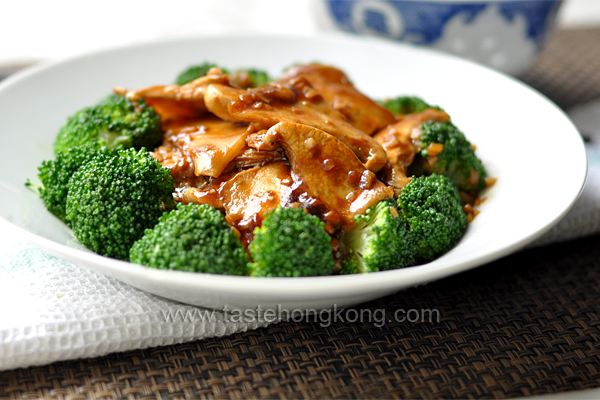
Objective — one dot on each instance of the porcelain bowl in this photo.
(505, 35)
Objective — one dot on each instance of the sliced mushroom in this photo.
(253, 192)
(329, 170)
(206, 145)
(335, 87)
(250, 158)
(174, 102)
(215, 144)
(298, 102)
(218, 96)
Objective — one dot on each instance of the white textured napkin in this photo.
(53, 310)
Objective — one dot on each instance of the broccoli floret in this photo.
(55, 175)
(379, 241)
(243, 78)
(115, 122)
(433, 210)
(403, 105)
(111, 201)
(455, 158)
(291, 242)
(196, 71)
(194, 238)
(250, 78)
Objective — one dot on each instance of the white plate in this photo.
(524, 140)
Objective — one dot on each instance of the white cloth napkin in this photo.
(53, 310)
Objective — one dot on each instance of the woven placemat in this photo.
(568, 70)
(524, 325)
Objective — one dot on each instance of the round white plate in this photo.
(524, 140)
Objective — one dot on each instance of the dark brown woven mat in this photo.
(568, 70)
(528, 324)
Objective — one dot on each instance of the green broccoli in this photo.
(115, 122)
(55, 175)
(243, 78)
(457, 159)
(291, 242)
(111, 201)
(379, 241)
(433, 210)
(194, 238)
(196, 71)
(250, 78)
(403, 105)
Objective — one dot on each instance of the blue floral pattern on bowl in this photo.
(504, 34)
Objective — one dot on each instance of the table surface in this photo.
(524, 325)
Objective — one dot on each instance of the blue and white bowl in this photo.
(506, 35)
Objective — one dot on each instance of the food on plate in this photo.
(194, 72)
(300, 176)
(242, 78)
(291, 242)
(114, 122)
(114, 197)
(360, 111)
(194, 238)
(433, 210)
(55, 175)
(444, 149)
(425, 222)
(403, 105)
(401, 143)
(379, 241)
